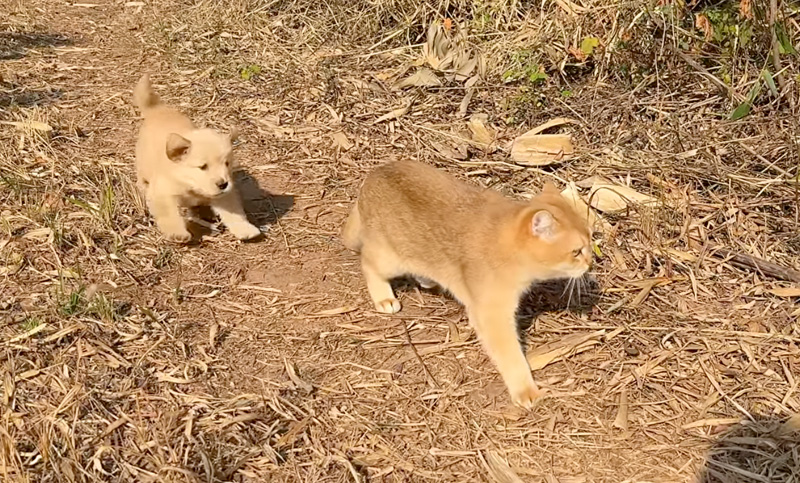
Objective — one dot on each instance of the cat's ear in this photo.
(543, 224)
(550, 188)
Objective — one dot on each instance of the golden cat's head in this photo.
(202, 161)
(556, 240)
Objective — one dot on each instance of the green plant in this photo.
(247, 72)
(73, 303)
(30, 323)
(524, 67)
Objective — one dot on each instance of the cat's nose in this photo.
(222, 185)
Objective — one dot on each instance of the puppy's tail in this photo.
(351, 233)
(143, 95)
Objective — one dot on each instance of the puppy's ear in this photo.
(543, 225)
(177, 146)
(233, 135)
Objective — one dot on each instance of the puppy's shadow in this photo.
(260, 206)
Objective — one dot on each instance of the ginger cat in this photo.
(482, 247)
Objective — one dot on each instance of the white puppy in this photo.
(179, 165)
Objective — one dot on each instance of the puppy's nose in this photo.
(222, 185)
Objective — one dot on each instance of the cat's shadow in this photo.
(260, 206)
(552, 296)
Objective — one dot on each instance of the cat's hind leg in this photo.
(351, 232)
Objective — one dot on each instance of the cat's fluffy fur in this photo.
(179, 165)
(482, 247)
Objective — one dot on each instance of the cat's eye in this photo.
(577, 253)
(204, 167)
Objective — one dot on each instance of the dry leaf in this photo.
(536, 149)
(498, 469)
(336, 311)
(447, 151)
(745, 9)
(785, 291)
(548, 353)
(340, 139)
(704, 25)
(291, 371)
(594, 220)
(395, 114)
(481, 134)
(541, 149)
(577, 53)
(423, 77)
(621, 421)
(790, 426)
(610, 198)
(29, 125)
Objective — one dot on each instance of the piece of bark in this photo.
(769, 269)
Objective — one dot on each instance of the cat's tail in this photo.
(351, 233)
(143, 95)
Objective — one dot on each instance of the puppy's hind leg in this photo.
(167, 214)
(230, 211)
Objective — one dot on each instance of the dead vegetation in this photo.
(124, 358)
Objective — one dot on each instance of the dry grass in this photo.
(124, 358)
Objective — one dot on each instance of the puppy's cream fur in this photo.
(482, 247)
(179, 165)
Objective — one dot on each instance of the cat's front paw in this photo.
(244, 230)
(388, 306)
(526, 395)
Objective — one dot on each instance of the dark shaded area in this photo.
(764, 450)
(577, 295)
(15, 45)
(262, 207)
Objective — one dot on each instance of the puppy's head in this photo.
(203, 161)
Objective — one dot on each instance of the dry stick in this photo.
(764, 267)
(708, 75)
(776, 53)
(431, 379)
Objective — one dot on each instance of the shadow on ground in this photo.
(15, 45)
(262, 207)
(765, 450)
(578, 295)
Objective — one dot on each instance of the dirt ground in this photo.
(127, 358)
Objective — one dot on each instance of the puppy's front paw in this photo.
(525, 395)
(388, 306)
(244, 230)
(178, 236)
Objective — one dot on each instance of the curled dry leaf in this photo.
(536, 149)
(704, 25)
(481, 134)
(594, 220)
(394, 114)
(498, 469)
(340, 140)
(423, 77)
(611, 198)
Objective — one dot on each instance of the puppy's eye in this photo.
(577, 253)
(204, 167)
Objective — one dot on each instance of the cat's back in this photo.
(416, 186)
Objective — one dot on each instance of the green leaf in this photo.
(785, 42)
(741, 111)
(754, 91)
(770, 81)
(588, 44)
